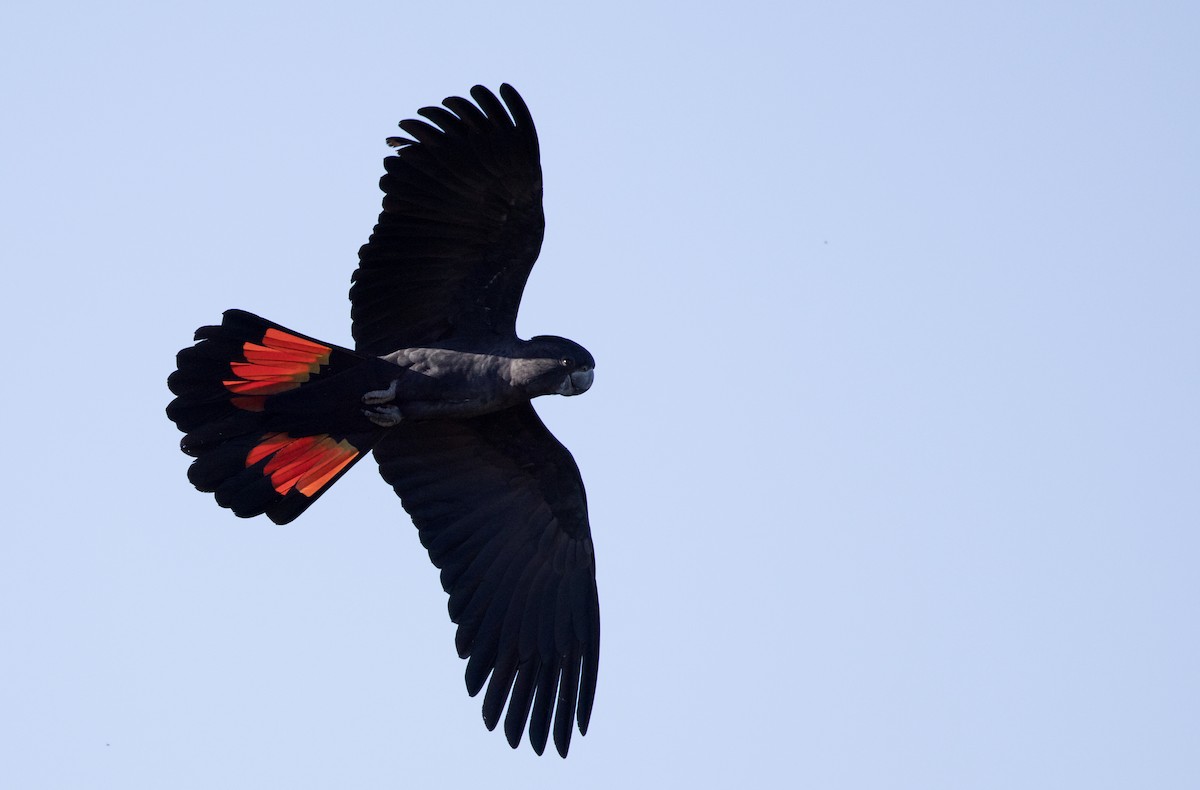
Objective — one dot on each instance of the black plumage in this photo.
(439, 387)
(461, 227)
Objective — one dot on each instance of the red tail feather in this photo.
(305, 463)
(272, 417)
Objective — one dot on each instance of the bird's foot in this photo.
(383, 416)
(377, 411)
(375, 397)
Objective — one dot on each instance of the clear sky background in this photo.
(894, 448)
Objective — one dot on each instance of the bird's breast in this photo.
(437, 382)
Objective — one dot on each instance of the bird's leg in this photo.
(382, 415)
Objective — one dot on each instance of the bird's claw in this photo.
(383, 416)
(375, 397)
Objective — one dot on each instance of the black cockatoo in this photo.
(439, 386)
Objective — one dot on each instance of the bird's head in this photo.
(555, 366)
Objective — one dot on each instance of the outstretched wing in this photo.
(501, 508)
(461, 226)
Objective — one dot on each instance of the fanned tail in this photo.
(272, 417)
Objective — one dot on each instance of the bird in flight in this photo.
(439, 387)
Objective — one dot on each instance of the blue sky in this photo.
(893, 452)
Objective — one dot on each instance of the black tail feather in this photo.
(255, 455)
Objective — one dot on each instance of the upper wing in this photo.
(501, 508)
(461, 226)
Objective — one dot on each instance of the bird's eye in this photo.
(567, 362)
